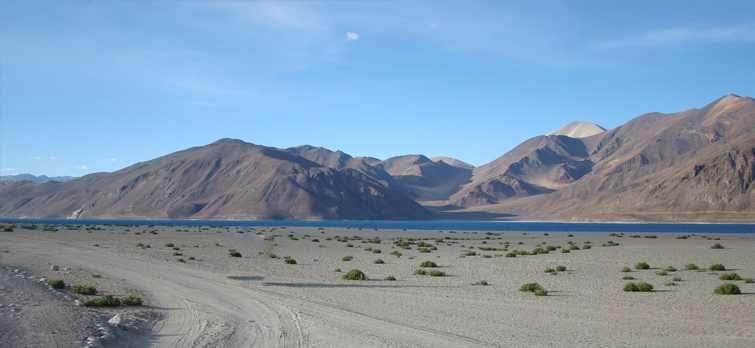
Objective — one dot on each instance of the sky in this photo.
(96, 86)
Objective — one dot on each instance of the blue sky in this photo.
(97, 86)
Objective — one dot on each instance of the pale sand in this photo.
(258, 301)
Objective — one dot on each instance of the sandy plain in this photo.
(214, 300)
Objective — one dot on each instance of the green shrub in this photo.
(481, 282)
(549, 270)
(290, 261)
(749, 281)
(539, 251)
(234, 253)
(639, 287)
(541, 292)
(378, 261)
(530, 287)
(661, 273)
(642, 265)
(717, 246)
(337, 270)
(390, 278)
(730, 276)
(677, 279)
(727, 289)
(272, 255)
(169, 245)
(626, 269)
(574, 247)
(717, 267)
(628, 278)
(560, 268)
(670, 284)
(670, 269)
(347, 258)
(691, 267)
(84, 290)
(354, 274)
(586, 246)
(428, 264)
(376, 251)
(420, 272)
(436, 273)
(131, 300)
(56, 283)
(177, 254)
(103, 301)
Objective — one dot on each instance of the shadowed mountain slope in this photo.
(229, 179)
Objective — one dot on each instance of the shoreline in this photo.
(258, 299)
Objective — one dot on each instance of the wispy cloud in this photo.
(679, 37)
(38, 158)
(53, 158)
(111, 159)
(82, 167)
(7, 169)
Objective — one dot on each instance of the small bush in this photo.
(717, 246)
(420, 272)
(234, 253)
(177, 254)
(626, 269)
(560, 268)
(586, 246)
(378, 261)
(670, 269)
(749, 281)
(677, 279)
(290, 261)
(337, 270)
(511, 254)
(428, 264)
(436, 273)
(661, 273)
(530, 287)
(56, 283)
(549, 270)
(390, 278)
(628, 278)
(103, 301)
(717, 267)
(642, 265)
(169, 245)
(481, 282)
(691, 267)
(574, 247)
(639, 287)
(131, 300)
(730, 276)
(727, 289)
(354, 274)
(84, 290)
(347, 258)
(541, 292)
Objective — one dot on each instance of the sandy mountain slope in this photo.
(229, 179)
(579, 129)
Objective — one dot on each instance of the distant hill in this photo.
(229, 179)
(695, 165)
(41, 178)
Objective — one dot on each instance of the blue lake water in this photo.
(429, 225)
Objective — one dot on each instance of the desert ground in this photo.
(196, 295)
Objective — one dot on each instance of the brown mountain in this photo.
(229, 179)
(687, 166)
(426, 180)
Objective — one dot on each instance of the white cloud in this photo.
(36, 158)
(7, 170)
(82, 167)
(352, 36)
(53, 158)
(111, 159)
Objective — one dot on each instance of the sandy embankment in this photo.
(216, 300)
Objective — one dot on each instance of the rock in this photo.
(117, 320)
(55, 268)
(94, 342)
(79, 303)
(96, 276)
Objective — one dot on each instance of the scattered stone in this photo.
(96, 276)
(117, 320)
(55, 268)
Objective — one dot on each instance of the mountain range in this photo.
(695, 165)
(41, 178)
